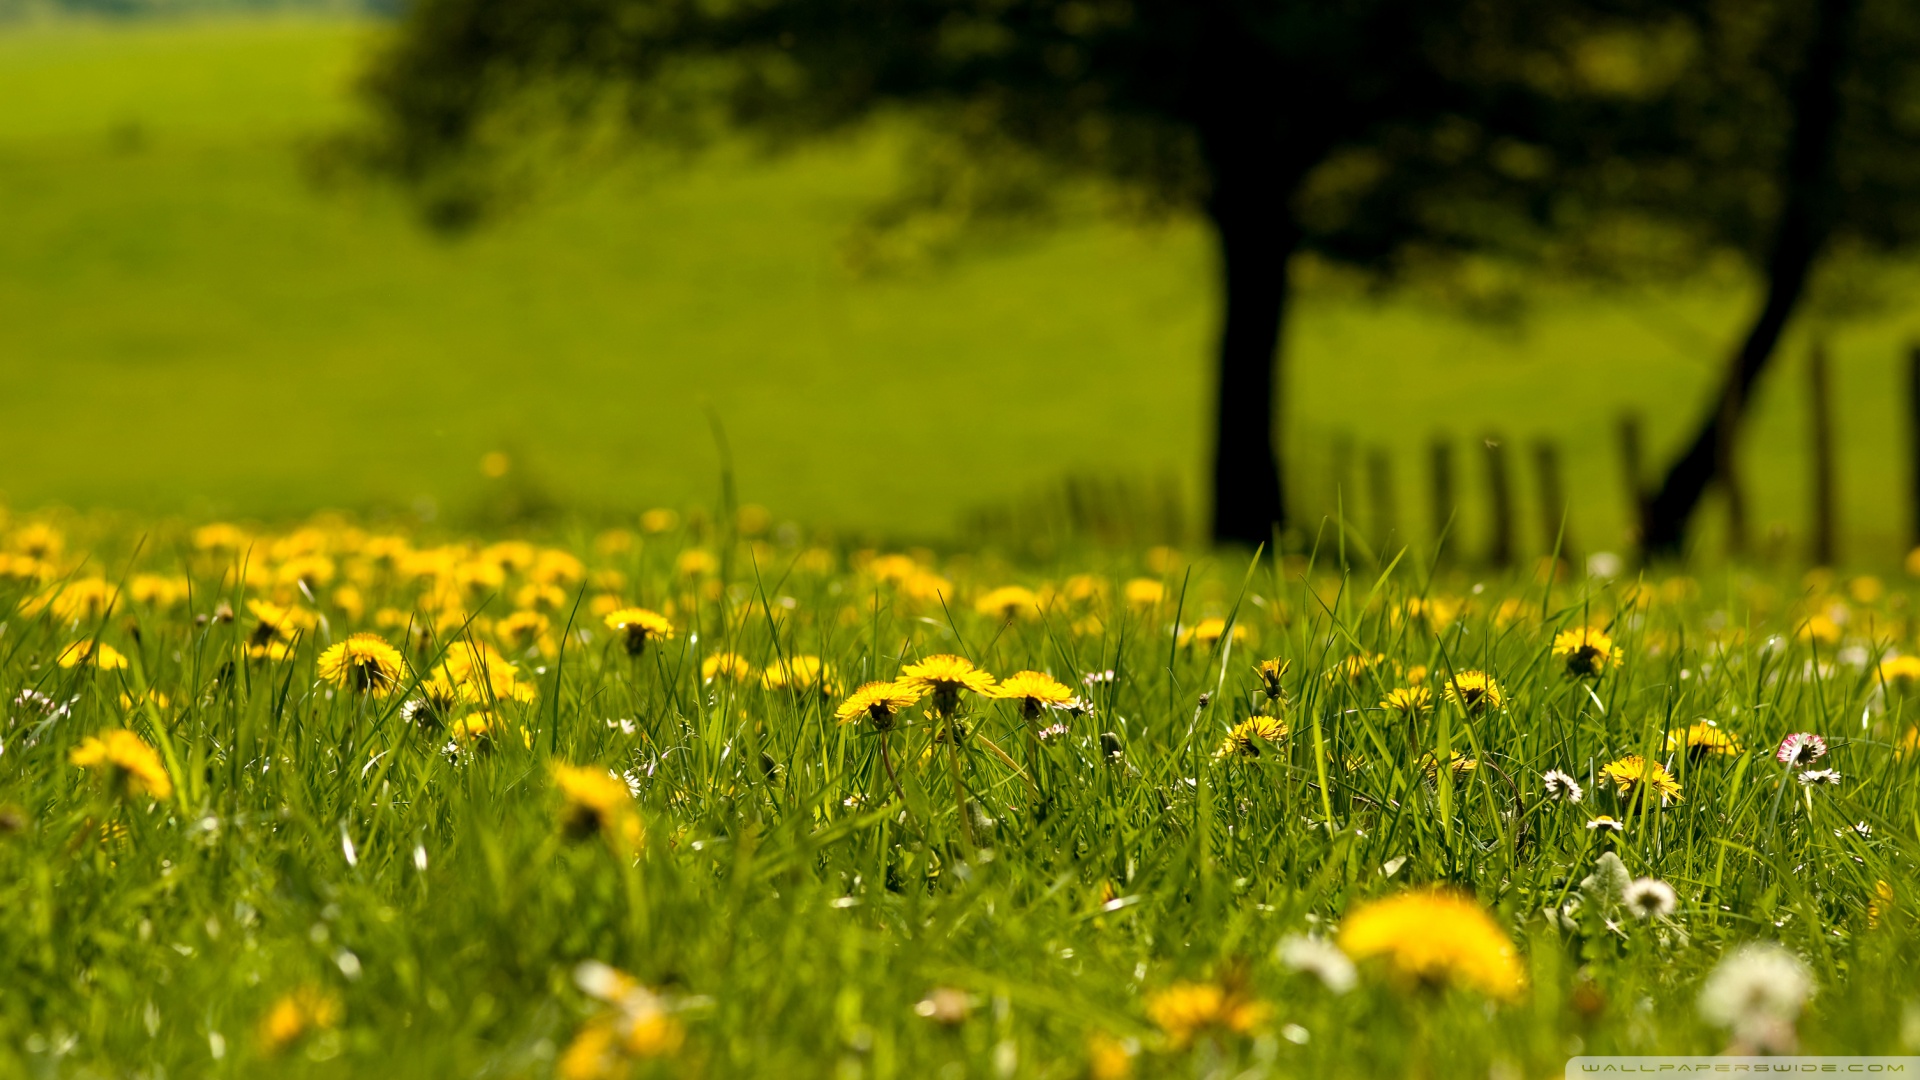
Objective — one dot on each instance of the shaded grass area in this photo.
(167, 275)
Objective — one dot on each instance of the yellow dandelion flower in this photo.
(877, 702)
(483, 673)
(1474, 692)
(1008, 602)
(1881, 903)
(696, 562)
(637, 626)
(1433, 939)
(1458, 763)
(1409, 701)
(296, 1015)
(98, 653)
(475, 729)
(87, 600)
(1353, 669)
(37, 539)
(946, 677)
(1246, 736)
(1588, 653)
(129, 764)
(801, 673)
(1701, 739)
(159, 700)
(1819, 628)
(1108, 1058)
(731, 666)
(555, 567)
(522, 630)
(1633, 773)
(157, 591)
(1187, 1010)
(1437, 612)
(595, 802)
(284, 623)
(364, 664)
(1036, 691)
(1144, 592)
(1207, 633)
(1417, 675)
(1901, 672)
(1273, 674)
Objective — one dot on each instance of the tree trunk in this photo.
(1251, 210)
(1806, 220)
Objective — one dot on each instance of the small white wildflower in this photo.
(1606, 823)
(1320, 958)
(1561, 787)
(1860, 829)
(1819, 776)
(1050, 733)
(1800, 748)
(1094, 678)
(1650, 898)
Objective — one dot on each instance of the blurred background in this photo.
(202, 312)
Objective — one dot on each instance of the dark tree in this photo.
(1796, 134)
(1380, 134)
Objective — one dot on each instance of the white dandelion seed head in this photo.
(1318, 957)
(1756, 987)
(1650, 898)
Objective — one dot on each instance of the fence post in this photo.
(1556, 516)
(1820, 401)
(1500, 505)
(1441, 457)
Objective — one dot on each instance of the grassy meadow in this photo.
(172, 287)
(760, 786)
(694, 801)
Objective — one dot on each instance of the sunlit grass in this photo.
(402, 866)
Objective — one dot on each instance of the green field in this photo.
(172, 288)
(235, 841)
